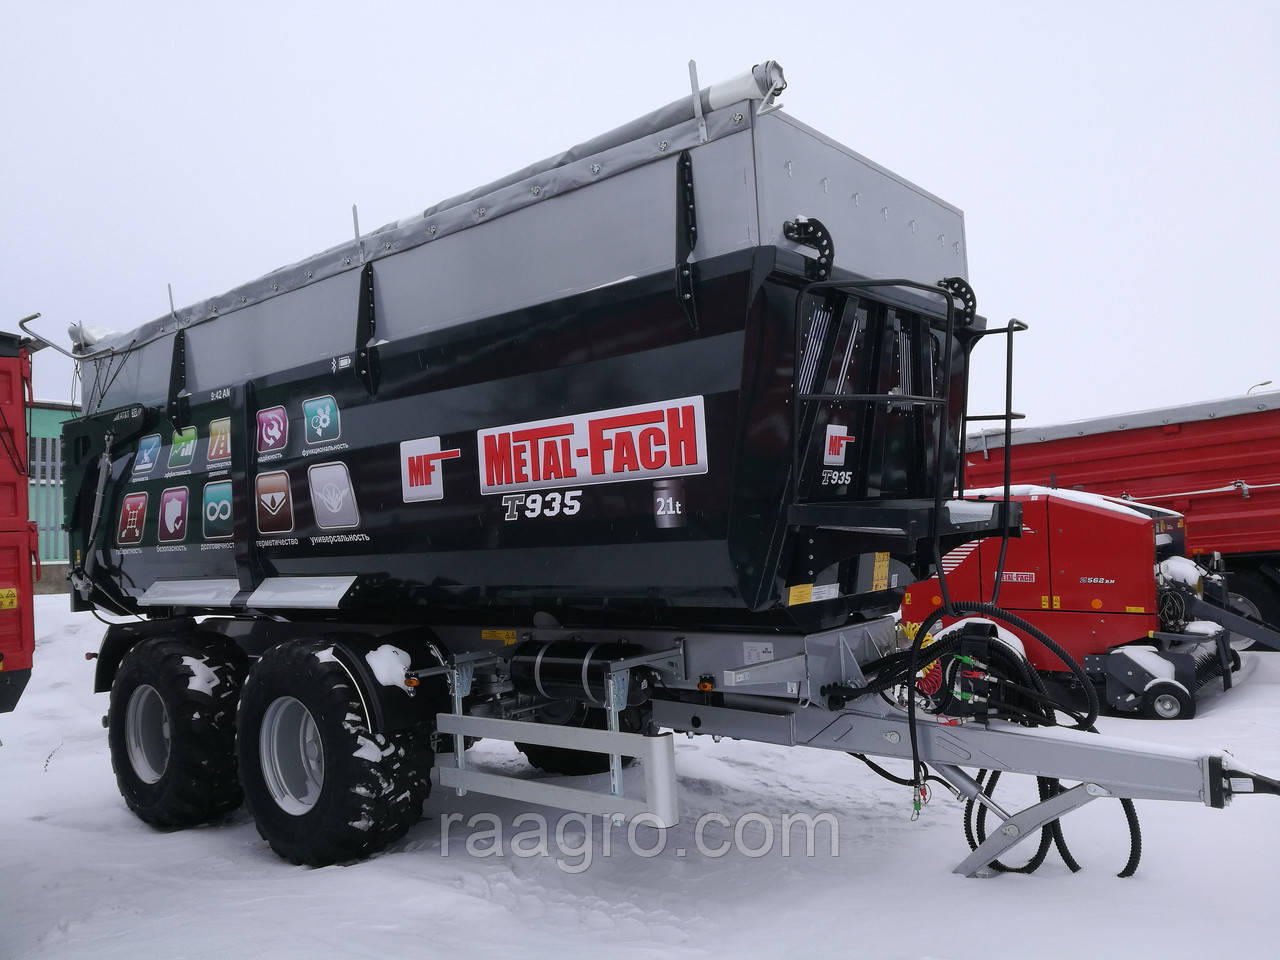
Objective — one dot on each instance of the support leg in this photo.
(1024, 824)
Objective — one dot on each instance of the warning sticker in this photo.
(8, 598)
(800, 593)
(880, 572)
(507, 637)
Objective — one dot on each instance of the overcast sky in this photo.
(1116, 162)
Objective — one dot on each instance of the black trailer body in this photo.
(650, 434)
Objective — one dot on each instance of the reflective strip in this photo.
(316, 593)
(193, 593)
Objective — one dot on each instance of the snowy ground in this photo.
(80, 877)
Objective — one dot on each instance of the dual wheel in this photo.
(322, 787)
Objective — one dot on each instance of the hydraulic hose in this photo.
(1028, 685)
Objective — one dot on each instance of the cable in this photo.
(1018, 693)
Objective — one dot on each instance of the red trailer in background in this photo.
(1149, 626)
(1217, 463)
(18, 544)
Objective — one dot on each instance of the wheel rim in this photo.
(292, 755)
(1243, 605)
(1167, 706)
(147, 733)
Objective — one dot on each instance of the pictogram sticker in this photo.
(183, 448)
(332, 498)
(219, 440)
(148, 454)
(133, 514)
(273, 429)
(323, 419)
(219, 523)
(275, 502)
(173, 515)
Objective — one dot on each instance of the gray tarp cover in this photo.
(620, 149)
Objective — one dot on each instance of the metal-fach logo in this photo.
(183, 449)
(421, 476)
(133, 514)
(323, 421)
(649, 441)
(173, 515)
(148, 454)
(218, 521)
(332, 497)
(275, 502)
(837, 440)
(219, 440)
(273, 429)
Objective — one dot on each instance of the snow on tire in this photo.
(321, 786)
(171, 729)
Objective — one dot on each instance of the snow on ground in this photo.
(81, 877)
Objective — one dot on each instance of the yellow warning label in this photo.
(508, 637)
(8, 598)
(1135, 609)
(800, 593)
(1057, 603)
(1044, 602)
(880, 572)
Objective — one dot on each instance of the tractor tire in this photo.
(1253, 595)
(577, 763)
(321, 786)
(171, 727)
(1165, 700)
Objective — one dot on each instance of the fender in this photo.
(121, 637)
(392, 708)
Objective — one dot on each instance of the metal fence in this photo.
(44, 486)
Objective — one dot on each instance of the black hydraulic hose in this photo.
(1135, 838)
(1052, 833)
(980, 831)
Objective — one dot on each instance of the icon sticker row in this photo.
(333, 499)
(216, 522)
(321, 418)
(182, 447)
(322, 421)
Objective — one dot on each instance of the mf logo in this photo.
(837, 439)
(421, 476)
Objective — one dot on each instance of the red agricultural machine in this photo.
(1150, 626)
(1216, 462)
(17, 533)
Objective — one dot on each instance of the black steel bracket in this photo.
(179, 407)
(686, 238)
(959, 288)
(811, 233)
(366, 327)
